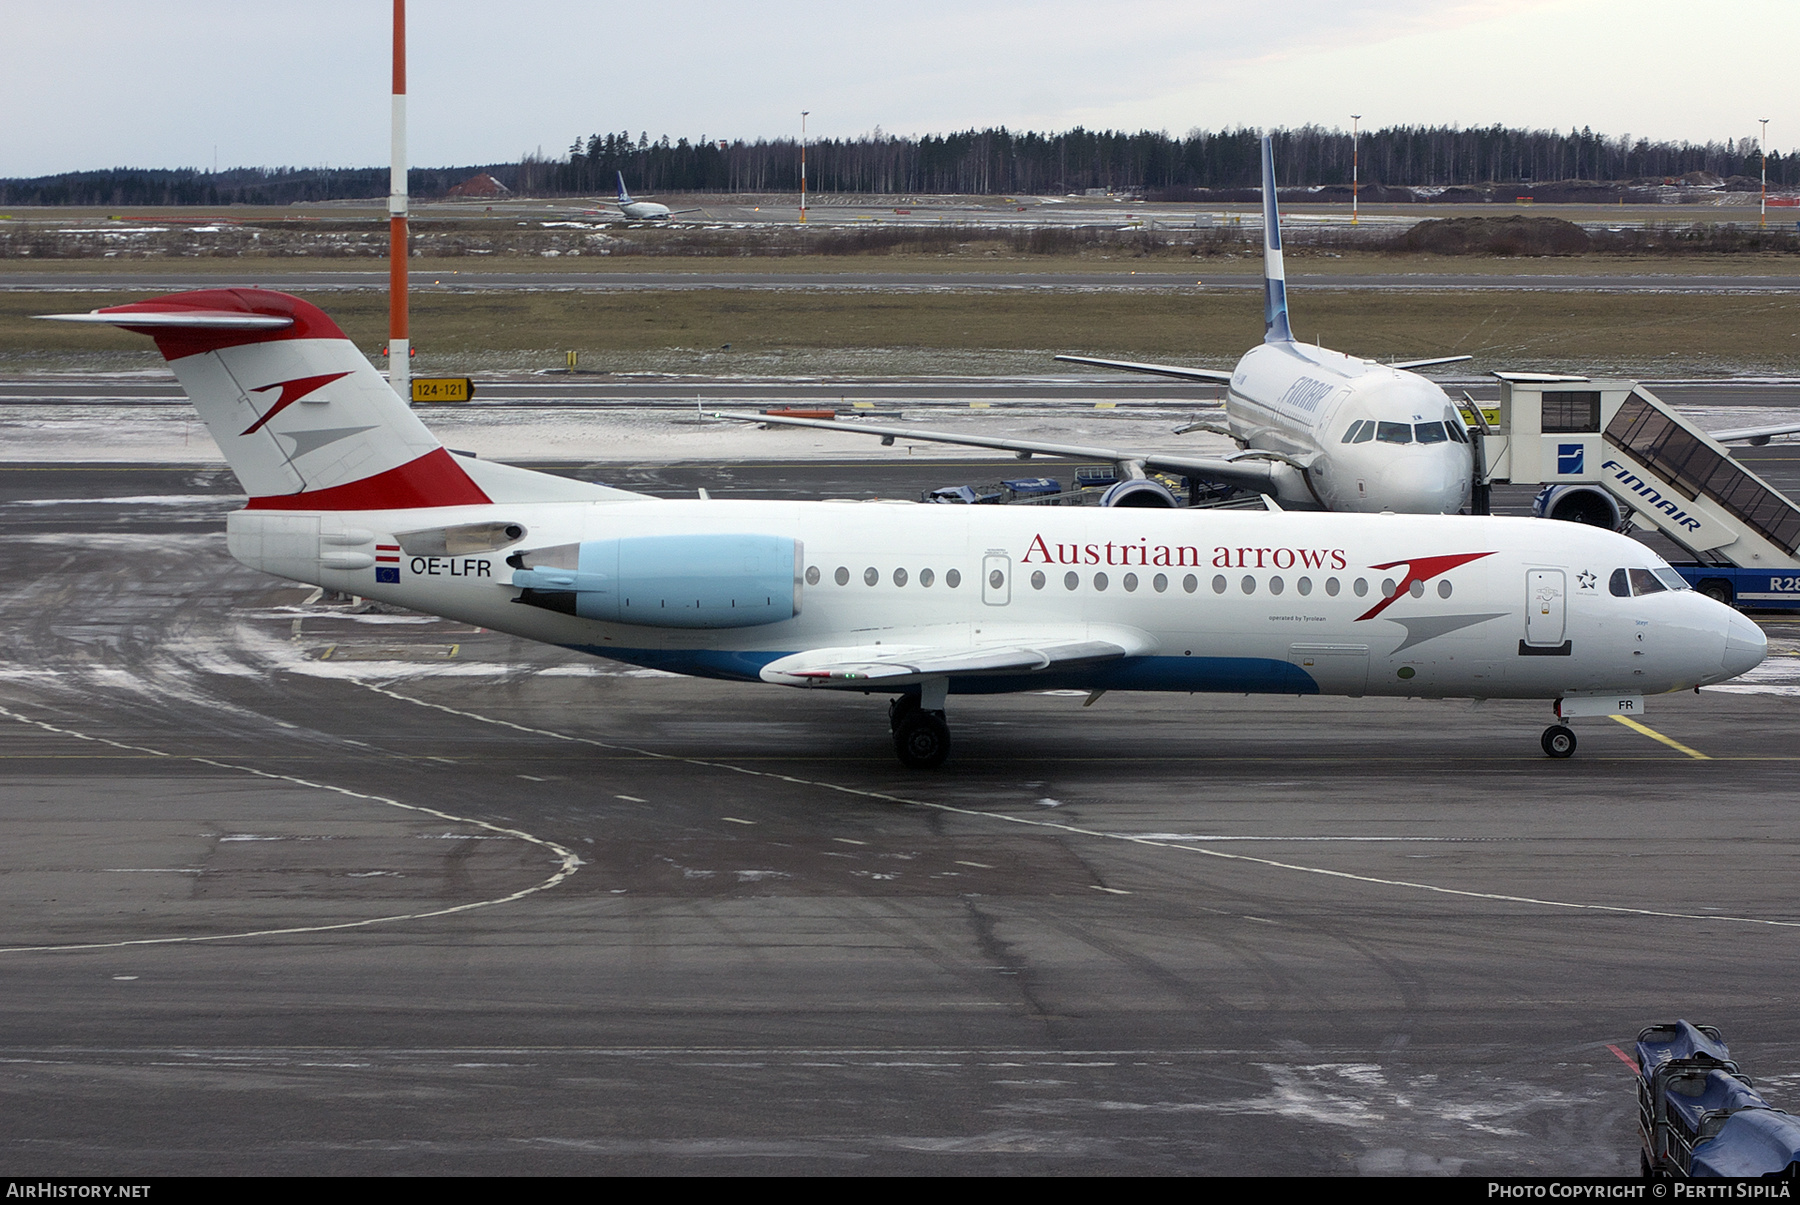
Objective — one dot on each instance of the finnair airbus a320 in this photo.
(1317, 429)
(349, 490)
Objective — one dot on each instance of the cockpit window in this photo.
(1394, 433)
(1430, 433)
(1355, 428)
(1628, 582)
(1367, 433)
(1456, 432)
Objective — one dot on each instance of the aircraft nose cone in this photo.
(1436, 484)
(1745, 645)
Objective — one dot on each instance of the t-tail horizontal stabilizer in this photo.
(303, 418)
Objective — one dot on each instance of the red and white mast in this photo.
(399, 346)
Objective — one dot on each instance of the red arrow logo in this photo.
(291, 392)
(1419, 569)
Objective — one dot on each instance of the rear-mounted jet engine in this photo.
(675, 581)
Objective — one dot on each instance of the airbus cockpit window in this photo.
(1430, 433)
(1355, 429)
(1394, 433)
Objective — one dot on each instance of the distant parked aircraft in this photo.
(644, 211)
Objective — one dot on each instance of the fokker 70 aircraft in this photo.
(1317, 429)
(349, 490)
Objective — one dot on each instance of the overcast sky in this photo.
(103, 83)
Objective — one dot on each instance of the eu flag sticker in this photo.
(388, 573)
(1569, 458)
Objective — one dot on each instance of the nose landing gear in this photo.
(1559, 741)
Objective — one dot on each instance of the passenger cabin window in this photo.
(1394, 433)
(1430, 433)
(1571, 411)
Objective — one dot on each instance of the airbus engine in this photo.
(674, 581)
(1139, 491)
(1578, 504)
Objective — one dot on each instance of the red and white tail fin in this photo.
(303, 418)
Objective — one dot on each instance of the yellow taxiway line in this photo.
(1654, 735)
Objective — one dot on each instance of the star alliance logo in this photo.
(1587, 579)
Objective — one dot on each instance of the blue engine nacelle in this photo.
(676, 581)
(1139, 491)
(1576, 503)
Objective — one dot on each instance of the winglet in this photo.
(1275, 314)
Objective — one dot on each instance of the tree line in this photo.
(992, 161)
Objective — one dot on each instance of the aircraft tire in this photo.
(901, 707)
(922, 739)
(1559, 741)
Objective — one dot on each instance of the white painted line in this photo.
(1076, 830)
(567, 861)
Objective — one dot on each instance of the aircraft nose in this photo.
(1436, 483)
(1745, 645)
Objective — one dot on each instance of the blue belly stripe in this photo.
(1232, 675)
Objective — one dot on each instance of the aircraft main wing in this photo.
(1210, 375)
(1254, 473)
(886, 665)
(1754, 435)
(1409, 365)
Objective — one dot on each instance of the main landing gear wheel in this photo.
(1559, 741)
(921, 738)
(899, 709)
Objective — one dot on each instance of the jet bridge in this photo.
(1613, 454)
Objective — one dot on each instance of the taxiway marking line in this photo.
(567, 860)
(1654, 735)
(1077, 830)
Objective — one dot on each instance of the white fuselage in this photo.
(1301, 401)
(1289, 603)
(643, 211)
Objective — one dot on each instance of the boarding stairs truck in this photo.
(1612, 454)
(1700, 1117)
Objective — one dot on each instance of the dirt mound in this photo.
(1515, 235)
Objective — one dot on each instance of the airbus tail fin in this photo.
(1275, 312)
(301, 415)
